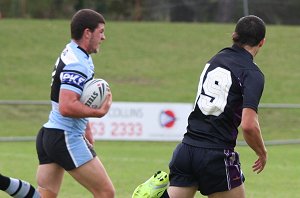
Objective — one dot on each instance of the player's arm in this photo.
(253, 137)
(70, 105)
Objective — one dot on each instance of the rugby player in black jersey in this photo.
(228, 95)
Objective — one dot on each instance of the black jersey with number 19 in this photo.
(229, 82)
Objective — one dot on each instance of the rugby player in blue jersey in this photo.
(65, 142)
(228, 95)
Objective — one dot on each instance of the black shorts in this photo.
(211, 170)
(65, 149)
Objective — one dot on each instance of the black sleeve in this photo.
(253, 87)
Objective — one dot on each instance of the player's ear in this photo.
(87, 33)
(262, 42)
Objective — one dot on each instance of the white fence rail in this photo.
(115, 135)
(44, 102)
(239, 143)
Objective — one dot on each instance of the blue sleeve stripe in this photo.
(75, 89)
(75, 71)
(73, 85)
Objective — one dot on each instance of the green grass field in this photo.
(142, 61)
(131, 163)
(153, 62)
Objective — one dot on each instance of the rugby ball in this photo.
(94, 93)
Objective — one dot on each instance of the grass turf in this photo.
(131, 163)
(152, 62)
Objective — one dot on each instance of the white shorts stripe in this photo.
(78, 149)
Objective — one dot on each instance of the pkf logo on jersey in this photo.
(167, 118)
(72, 78)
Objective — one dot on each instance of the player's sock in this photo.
(17, 188)
(4, 182)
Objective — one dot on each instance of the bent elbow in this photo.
(249, 128)
(64, 111)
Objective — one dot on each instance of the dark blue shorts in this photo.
(67, 150)
(211, 170)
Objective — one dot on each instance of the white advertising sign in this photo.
(142, 121)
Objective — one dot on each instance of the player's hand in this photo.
(106, 105)
(260, 163)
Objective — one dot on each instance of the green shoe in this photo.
(153, 187)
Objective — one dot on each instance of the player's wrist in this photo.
(263, 153)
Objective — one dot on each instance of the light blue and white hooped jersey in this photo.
(72, 69)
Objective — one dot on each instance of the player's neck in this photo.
(81, 44)
(252, 50)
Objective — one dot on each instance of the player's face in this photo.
(97, 37)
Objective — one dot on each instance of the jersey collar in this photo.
(81, 49)
(242, 51)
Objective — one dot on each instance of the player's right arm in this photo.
(253, 137)
(70, 105)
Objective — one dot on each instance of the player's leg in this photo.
(17, 188)
(183, 179)
(49, 174)
(223, 176)
(182, 192)
(238, 192)
(181, 175)
(157, 187)
(93, 176)
(49, 178)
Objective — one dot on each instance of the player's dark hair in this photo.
(85, 18)
(249, 30)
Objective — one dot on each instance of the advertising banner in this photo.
(142, 121)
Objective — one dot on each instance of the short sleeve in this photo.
(253, 86)
(73, 77)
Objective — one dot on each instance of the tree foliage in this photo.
(272, 11)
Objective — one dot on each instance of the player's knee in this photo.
(110, 193)
(107, 192)
(45, 193)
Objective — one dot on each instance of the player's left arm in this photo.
(71, 106)
(253, 137)
(253, 88)
(73, 78)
